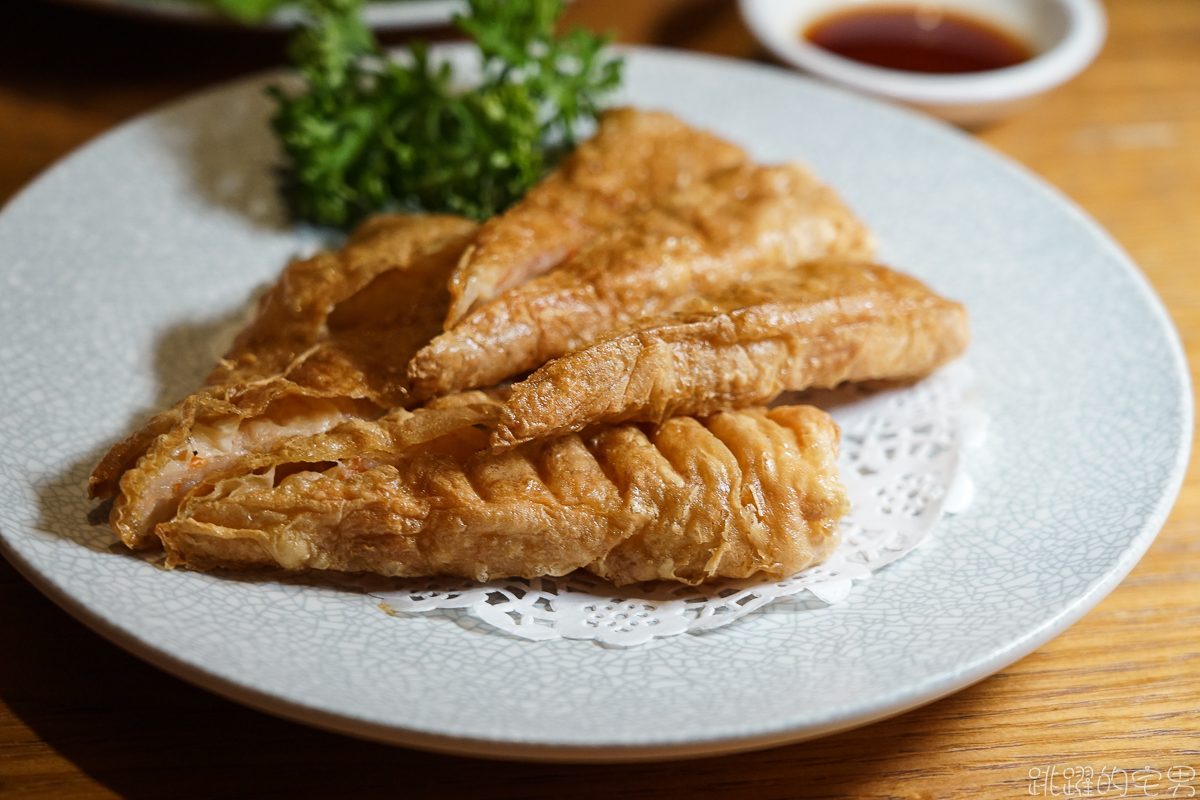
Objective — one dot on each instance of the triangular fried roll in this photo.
(356, 368)
(291, 315)
(373, 334)
(814, 326)
(742, 493)
(652, 262)
(635, 158)
(212, 431)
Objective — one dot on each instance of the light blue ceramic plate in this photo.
(123, 263)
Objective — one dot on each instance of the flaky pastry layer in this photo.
(814, 326)
(734, 495)
(635, 159)
(331, 343)
(651, 261)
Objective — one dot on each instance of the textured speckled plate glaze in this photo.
(125, 263)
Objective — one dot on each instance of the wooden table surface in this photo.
(1120, 689)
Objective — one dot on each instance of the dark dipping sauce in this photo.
(917, 39)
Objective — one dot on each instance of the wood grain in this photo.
(79, 718)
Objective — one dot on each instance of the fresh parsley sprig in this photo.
(369, 134)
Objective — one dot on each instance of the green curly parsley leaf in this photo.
(370, 134)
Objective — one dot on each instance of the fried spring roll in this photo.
(291, 315)
(635, 158)
(815, 326)
(372, 335)
(738, 494)
(653, 262)
(211, 432)
(398, 266)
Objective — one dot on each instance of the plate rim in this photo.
(694, 747)
(378, 14)
(533, 752)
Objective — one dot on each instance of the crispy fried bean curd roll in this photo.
(291, 315)
(743, 493)
(361, 314)
(212, 432)
(812, 327)
(634, 159)
(370, 337)
(653, 261)
(274, 418)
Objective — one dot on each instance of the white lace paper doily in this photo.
(900, 461)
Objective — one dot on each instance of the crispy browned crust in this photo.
(124, 454)
(653, 261)
(291, 315)
(815, 326)
(343, 327)
(739, 494)
(210, 431)
(671, 282)
(635, 158)
(275, 419)
(373, 334)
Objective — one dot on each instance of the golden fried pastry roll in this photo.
(372, 335)
(814, 326)
(291, 315)
(653, 261)
(125, 454)
(210, 432)
(292, 318)
(635, 158)
(738, 494)
(273, 418)
(356, 370)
